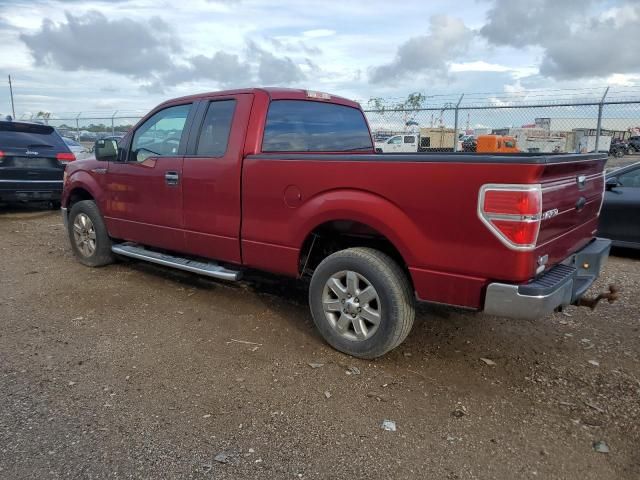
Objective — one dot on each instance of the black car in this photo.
(620, 215)
(634, 144)
(32, 162)
(619, 148)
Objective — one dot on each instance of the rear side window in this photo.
(410, 139)
(30, 136)
(214, 134)
(307, 126)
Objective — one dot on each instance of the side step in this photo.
(209, 269)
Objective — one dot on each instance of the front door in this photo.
(144, 189)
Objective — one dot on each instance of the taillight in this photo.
(512, 213)
(65, 157)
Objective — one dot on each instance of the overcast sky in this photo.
(70, 56)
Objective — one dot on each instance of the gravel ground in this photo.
(133, 371)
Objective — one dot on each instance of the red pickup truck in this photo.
(287, 181)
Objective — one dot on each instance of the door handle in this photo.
(172, 178)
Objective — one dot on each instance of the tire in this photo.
(348, 323)
(86, 221)
(631, 150)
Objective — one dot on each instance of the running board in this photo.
(209, 269)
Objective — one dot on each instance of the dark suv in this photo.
(634, 144)
(32, 162)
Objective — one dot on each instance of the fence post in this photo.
(455, 125)
(599, 125)
(78, 127)
(113, 129)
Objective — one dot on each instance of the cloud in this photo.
(432, 53)
(221, 67)
(519, 23)
(318, 33)
(94, 42)
(273, 70)
(576, 42)
(292, 45)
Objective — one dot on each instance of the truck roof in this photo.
(274, 93)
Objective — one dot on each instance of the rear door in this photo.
(620, 218)
(32, 159)
(144, 189)
(212, 172)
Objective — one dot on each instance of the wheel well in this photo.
(336, 235)
(77, 195)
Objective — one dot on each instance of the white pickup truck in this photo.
(399, 143)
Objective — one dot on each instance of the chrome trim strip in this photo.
(129, 250)
(65, 217)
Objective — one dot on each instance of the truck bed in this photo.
(426, 205)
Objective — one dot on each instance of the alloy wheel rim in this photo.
(84, 234)
(351, 305)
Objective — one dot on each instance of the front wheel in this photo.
(361, 302)
(90, 241)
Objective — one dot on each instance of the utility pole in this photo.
(13, 108)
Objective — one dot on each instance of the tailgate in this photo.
(572, 194)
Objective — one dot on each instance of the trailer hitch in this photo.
(610, 296)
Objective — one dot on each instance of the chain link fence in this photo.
(606, 125)
(538, 128)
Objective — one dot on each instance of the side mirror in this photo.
(106, 150)
(612, 182)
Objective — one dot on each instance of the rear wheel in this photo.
(361, 302)
(90, 241)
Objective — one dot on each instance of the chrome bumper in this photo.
(562, 285)
(65, 217)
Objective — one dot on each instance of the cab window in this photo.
(395, 141)
(311, 126)
(160, 135)
(410, 139)
(214, 134)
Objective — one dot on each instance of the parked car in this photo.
(634, 144)
(620, 216)
(618, 148)
(32, 162)
(287, 181)
(76, 148)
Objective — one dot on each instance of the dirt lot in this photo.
(132, 371)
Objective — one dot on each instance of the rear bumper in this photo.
(30, 190)
(562, 285)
